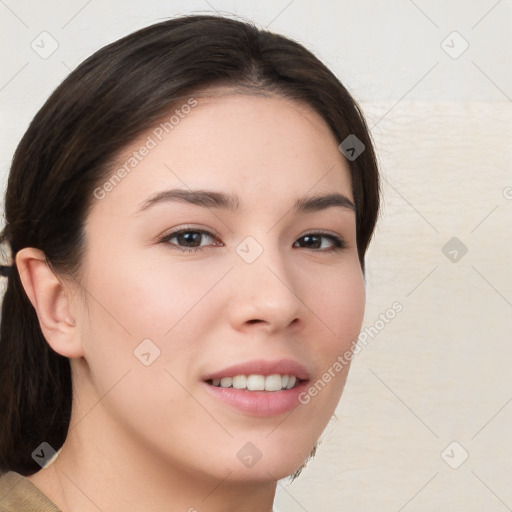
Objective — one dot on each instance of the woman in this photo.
(188, 216)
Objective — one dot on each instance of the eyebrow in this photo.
(221, 200)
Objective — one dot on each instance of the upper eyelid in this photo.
(185, 229)
(177, 231)
(324, 232)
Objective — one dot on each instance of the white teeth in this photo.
(291, 382)
(274, 382)
(226, 382)
(240, 382)
(255, 383)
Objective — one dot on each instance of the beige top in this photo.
(19, 494)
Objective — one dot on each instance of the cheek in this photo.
(338, 303)
(338, 306)
(151, 301)
(168, 304)
(353, 297)
(157, 310)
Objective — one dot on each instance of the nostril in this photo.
(254, 321)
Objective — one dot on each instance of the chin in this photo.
(268, 459)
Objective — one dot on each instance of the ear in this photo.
(50, 299)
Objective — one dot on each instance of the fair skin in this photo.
(160, 437)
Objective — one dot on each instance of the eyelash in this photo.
(338, 243)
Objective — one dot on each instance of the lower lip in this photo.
(259, 403)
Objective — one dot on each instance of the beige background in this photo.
(439, 373)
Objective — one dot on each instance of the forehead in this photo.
(258, 147)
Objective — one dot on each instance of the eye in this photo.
(320, 242)
(190, 240)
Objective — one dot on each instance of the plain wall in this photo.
(433, 384)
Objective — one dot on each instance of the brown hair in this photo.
(101, 107)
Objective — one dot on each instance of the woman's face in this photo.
(215, 257)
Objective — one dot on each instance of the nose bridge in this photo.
(265, 288)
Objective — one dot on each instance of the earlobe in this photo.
(51, 302)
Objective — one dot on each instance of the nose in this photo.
(265, 296)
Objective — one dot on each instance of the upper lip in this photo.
(262, 367)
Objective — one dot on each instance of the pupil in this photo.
(190, 239)
(311, 241)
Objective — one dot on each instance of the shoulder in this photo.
(19, 494)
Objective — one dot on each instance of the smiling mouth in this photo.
(255, 382)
